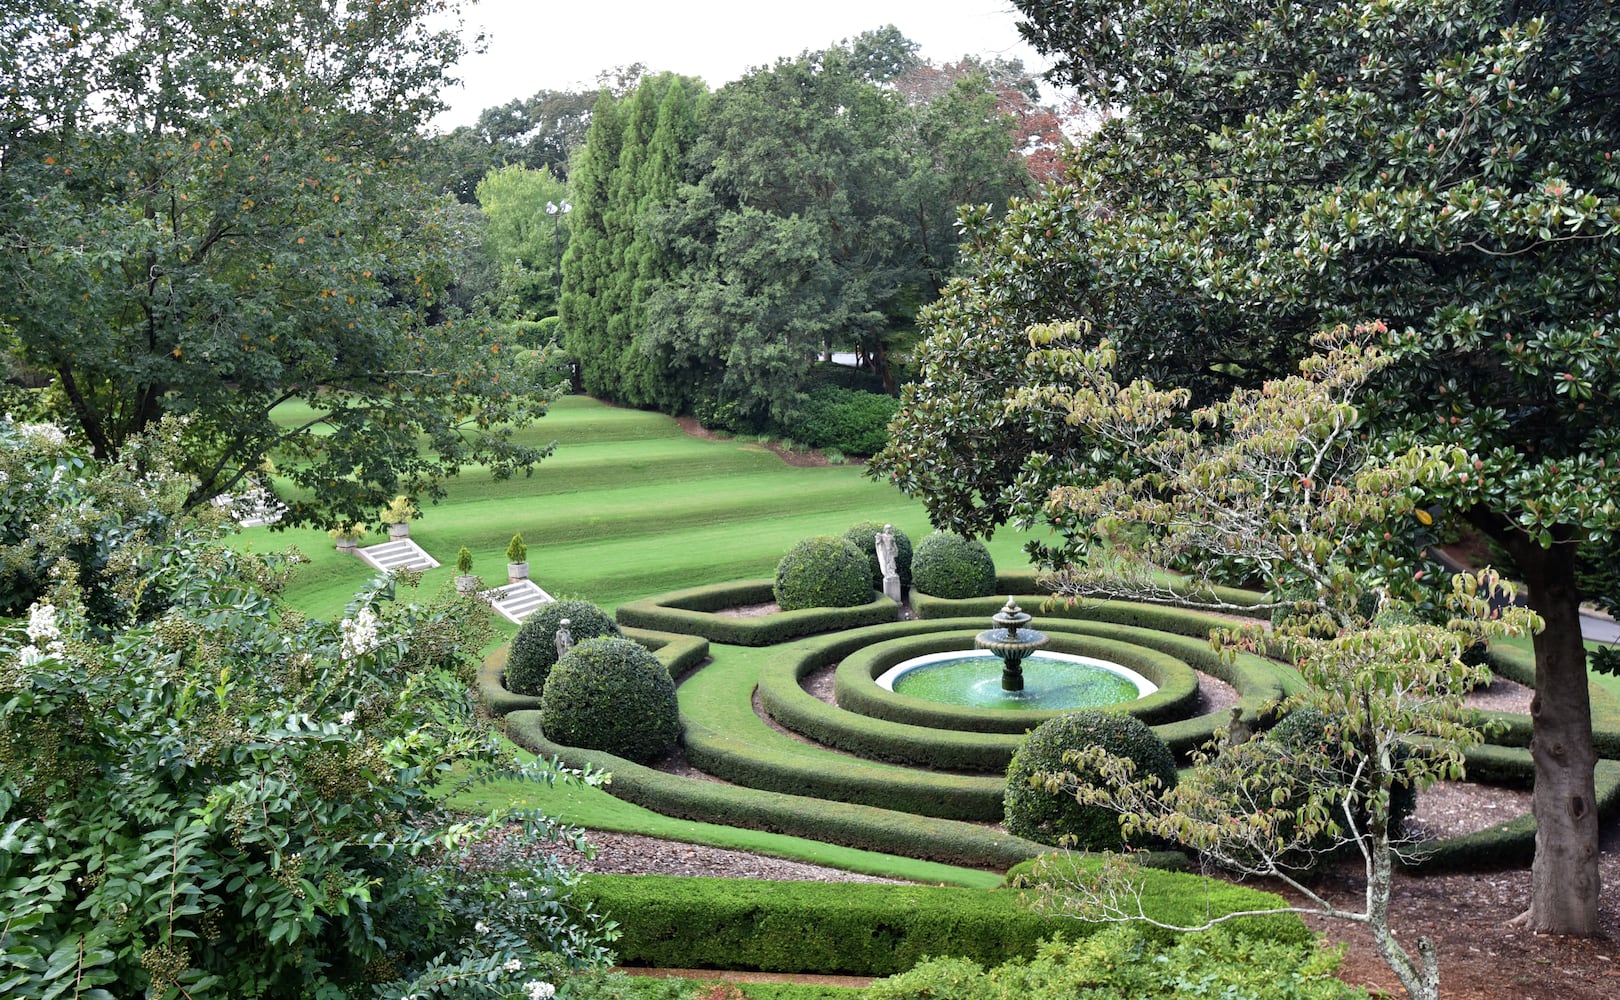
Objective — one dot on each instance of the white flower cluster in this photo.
(42, 435)
(360, 635)
(539, 991)
(512, 965)
(42, 631)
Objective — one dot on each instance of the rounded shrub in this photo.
(1054, 817)
(823, 572)
(1305, 728)
(864, 537)
(945, 564)
(611, 694)
(534, 648)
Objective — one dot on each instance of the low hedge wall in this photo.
(1513, 843)
(692, 612)
(865, 929)
(869, 828)
(858, 691)
(1514, 730)
(1030, 583)
(681, 654)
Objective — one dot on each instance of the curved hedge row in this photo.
(871, 930)
(693, 612)
(1258, 682)
(858, 691)
(1030, 585)
(865, 827)
(1513, 730)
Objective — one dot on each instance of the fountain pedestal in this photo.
(1011, 643)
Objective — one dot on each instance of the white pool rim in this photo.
(886, 680)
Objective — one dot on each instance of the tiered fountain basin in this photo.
(1053, 681)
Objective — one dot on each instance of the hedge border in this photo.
(692, 612)
(785, 700)
(873, 930)
(1234, 600)
(1514, 729)
(680, 654)
(866, 827)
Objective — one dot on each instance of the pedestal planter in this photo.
(400, 530)
(517, 571)
(348, 546)
(467, 584)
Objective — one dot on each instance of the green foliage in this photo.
(1050, 816)
(464, 561)
(256, 223)
(525, 235)
(853, 422)
(858, 929)
(864, 537)
(1124, 961)
(516, 550)
(826, 571)
(534, 648)
(945, 564)
(221, 797)
(611, 694)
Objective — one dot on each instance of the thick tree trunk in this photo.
(1564, 879)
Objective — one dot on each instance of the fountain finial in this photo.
(1009, 645)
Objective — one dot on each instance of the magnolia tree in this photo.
(209, 794)
(1283, 483)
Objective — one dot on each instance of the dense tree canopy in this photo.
(1446, 167)
(214, 211)
(527, 228)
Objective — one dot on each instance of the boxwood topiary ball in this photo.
(864, 537)
(1048, 817)
(823, 572)
(945, 564)
(611, 694)
(534, 648)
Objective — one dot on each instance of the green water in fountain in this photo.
(1049, 684)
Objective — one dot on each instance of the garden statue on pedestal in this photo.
(887, 553)
(565, 639)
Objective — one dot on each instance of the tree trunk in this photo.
(1564, 879)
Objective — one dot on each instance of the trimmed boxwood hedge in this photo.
(1235, 600)
(533, 651)
(679, 654)
(1055, 817)
(611, 694)
(946, 564)
(866, 827)
(826, 571)
(693, 612)
(870, 930)
(864, 537)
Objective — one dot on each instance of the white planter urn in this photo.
(400, 530)
(348, 546)
(467, 583)
(516, 572)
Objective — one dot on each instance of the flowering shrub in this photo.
(223, 798)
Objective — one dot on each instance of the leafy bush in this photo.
(851, 421)
(222, 798)
(822, 572)
(611, 694)
(1049, 817)
(864, 537)
(534, 648)
(945, 564)
(1129, 962)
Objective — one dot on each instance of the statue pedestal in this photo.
(891, 588)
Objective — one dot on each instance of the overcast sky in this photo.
(541, 44)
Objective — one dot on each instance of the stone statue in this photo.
(565, 639)
(888, 558)
(1238, 731)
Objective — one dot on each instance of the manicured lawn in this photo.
(628, 506)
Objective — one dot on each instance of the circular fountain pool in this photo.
(1053, 681)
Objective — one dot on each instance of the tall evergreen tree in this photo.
(587, 264)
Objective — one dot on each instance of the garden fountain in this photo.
(1005, 641)
(1055, 681)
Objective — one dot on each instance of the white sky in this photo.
(543, 44)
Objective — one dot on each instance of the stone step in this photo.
(516, 601)
(402, 554)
